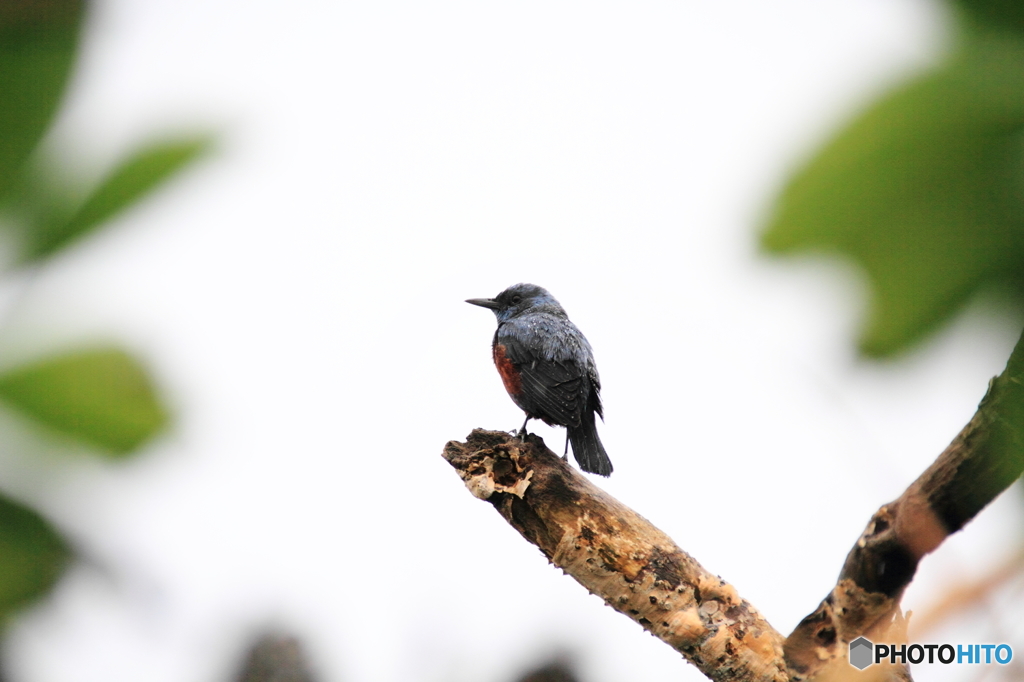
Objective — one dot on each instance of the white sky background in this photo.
(300, 297)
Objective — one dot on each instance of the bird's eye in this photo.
(516, 300)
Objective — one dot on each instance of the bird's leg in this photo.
(565, 455)
(522, 431)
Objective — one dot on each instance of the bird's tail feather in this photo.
(587, 448)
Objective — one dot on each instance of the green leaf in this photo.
(38, 43)
(1005, 14)
(925, 191)
(32, 556)
(100, 396)
(131, 180)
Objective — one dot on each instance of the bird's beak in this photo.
(484, 302)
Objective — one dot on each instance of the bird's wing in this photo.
(556, 390)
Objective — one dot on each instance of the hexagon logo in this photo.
(861, 653)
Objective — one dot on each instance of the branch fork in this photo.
(639, 571)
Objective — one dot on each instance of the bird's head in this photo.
(519, 299)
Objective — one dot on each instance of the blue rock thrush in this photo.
(548, 368)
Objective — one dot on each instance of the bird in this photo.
(548, 369)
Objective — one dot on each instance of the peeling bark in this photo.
(618, 555)
(982, 461)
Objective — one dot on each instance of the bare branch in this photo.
(618, 555)
(982, 461)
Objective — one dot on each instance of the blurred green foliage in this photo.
(1000, 14)
(32, 555)
(101, 398)
(38, 42)
(925, 190)
(47, 222)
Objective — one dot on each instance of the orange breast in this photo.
(509, 375)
